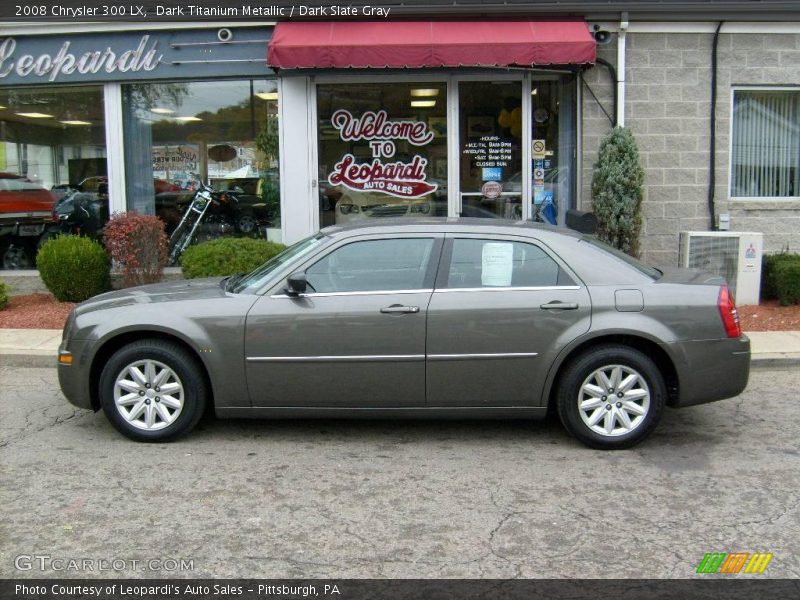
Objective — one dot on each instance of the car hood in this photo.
(195, 289)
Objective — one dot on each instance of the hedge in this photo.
(226, 256)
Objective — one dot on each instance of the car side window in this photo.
(373, 265)
(477, 263)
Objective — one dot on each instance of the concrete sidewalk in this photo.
(38, 348)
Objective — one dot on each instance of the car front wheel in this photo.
(611, 397)
(153, 391)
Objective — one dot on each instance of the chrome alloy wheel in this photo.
(148, 394)
(613, 400)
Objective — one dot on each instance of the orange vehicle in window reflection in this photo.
(25, 213)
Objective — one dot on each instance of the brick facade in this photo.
(668, 109)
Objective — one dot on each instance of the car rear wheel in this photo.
(611, 397)
(153, 391)
(18, 256)
(246, 224)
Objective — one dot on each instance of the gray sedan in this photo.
(427, 318)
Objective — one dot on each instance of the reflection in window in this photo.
(373, 265)
(382, 151)
(52, 145)
(223, 133)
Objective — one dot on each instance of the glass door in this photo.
(491, 146)
(553, 150)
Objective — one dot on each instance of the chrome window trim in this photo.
(488, 356)
(340, 358)
(509, 289)
(364, 293)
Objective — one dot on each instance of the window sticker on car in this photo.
(497, 264)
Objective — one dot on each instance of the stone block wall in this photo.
(668, 95)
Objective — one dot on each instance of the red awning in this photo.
(392, 44)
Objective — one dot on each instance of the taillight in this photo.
(727, 310)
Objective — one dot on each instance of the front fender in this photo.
(216, 338)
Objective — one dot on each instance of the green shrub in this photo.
(226, 256)
(3, 295)
(787, 281)
(73, 268)
(617, 191)
(138, 245)
(769, 264)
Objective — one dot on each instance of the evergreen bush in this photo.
(769, 265)
(73, 268)
(787, 281)
(617, 190)
(226, 256)
(3, 295)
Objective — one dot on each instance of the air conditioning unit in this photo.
(734, 255)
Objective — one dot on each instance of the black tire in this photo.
(246, 223)
(188, 373)
(19, 255)
(583, 369)
(177, 249)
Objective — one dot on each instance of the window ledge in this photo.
(764, 204)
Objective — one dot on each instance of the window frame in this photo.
(753, 88)
(428, 280)
(443, 275)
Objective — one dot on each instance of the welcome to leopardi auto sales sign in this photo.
(396, 178)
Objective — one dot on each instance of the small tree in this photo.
(617, 191)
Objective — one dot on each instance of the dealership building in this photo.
(442, 108)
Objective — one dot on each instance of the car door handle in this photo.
(558, 305)
(399, 309)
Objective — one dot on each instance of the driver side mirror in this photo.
(296, 284)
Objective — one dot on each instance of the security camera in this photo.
(224, 35)
(601, 36)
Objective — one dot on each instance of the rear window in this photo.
(651, 272)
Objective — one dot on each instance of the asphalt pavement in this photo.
(400, 499)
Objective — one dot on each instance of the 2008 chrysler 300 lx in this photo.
(427, 318)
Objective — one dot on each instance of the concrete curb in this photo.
(780, 361)
(34, 361)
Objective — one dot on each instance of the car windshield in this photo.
(651, 272)
(256, 279)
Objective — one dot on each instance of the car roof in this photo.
(450, 225)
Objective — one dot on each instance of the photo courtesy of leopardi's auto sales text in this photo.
(390, 299)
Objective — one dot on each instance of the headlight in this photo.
(421, 207)
(346, 209)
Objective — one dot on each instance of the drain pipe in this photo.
(712, 146)
(623, 30)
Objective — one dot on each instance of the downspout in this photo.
(712, 146)
(621, 36)
(613, 74)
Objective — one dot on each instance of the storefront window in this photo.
(220, 133)
(382, 151)
(552, 148)
(52, 146)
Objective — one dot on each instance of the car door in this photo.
(356, 339)
(501, 309)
